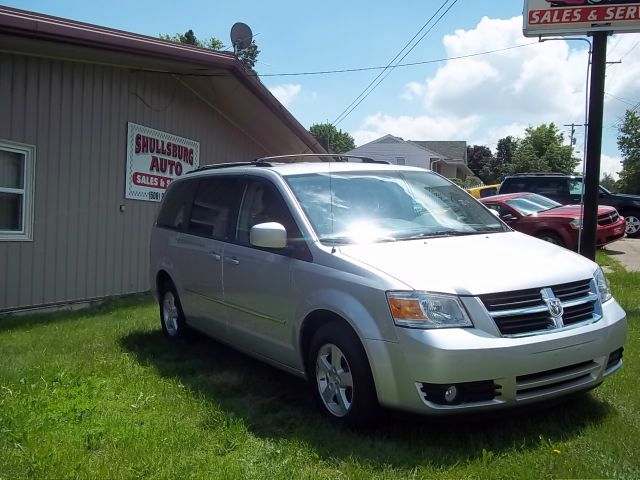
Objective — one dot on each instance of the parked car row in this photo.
(567, 190)
(543, 218)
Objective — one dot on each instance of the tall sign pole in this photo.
(598, 18)
(594, 145)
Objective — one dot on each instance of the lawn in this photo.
(101, 394)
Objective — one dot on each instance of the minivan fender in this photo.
(370, 323)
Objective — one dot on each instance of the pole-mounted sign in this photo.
(598, 18)
(580, 17)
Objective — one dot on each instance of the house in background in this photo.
(449, 159)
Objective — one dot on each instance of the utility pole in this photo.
(594, 146)
(573, 133)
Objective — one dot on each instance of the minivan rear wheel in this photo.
(171, 315)
(340, 375)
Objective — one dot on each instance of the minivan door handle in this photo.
(232, 260)
(215, 255)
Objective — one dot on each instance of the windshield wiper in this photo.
(348, 240)
(442, 233)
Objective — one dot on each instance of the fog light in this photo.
(450, 394)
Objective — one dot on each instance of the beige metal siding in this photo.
(76, 115)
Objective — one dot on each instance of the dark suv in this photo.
(567, 189)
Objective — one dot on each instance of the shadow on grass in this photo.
(108, 306)
(273, 404)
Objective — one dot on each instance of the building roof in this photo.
(218, 78)
(454, 150)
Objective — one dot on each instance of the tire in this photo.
(632, 223)
(172, 318)
(551, 238)
(340, 376)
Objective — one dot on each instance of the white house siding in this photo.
(413, 155)
(76, 115)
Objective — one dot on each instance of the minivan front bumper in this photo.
(490, 372)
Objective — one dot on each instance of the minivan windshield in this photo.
(394, 205)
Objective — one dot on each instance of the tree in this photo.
(247, 56)
(543, 150)
(608, 182)
(629, 146)
(496, 168)
(477, 157)
(332, 139)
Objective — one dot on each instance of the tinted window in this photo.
(550, 186)
(215, 207)
(487, 192)
(176, 203)
(514, 185)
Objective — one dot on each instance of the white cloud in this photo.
(608, 164)
(487, 97)
(286, 93)
(416, 128)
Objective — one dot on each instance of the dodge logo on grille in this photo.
(554, 304)
(555, 307)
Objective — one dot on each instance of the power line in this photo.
(369, 88)
(399, 65)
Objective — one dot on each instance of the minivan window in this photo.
(215, 207)
(263, 203)
(175, 207)
(353, 207)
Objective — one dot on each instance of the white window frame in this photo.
(27, 191)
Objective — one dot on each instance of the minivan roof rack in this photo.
(271, 161)
(323, 157)
(215, 166)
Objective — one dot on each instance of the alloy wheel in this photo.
(170, 314)
(632, 224)
(334, 380)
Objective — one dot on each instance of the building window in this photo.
(17, 162)
(400, 161)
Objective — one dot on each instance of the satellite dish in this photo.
(241, 36)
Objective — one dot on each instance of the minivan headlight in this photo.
(427, 310)
(604, 290)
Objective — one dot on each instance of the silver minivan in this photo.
(382, 285)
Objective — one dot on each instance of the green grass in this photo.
(101, 394)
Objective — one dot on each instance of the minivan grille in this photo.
(608, 218)
(522, 312)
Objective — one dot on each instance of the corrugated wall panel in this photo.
(76, 115)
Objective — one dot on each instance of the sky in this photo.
(479, 99)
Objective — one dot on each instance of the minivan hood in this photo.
(474, 264)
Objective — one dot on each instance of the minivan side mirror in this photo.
(268, 235)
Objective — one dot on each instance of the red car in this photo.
(548, 220)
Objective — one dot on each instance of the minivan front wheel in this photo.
(171, 315)
(338, 367)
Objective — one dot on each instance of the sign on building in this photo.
(580, 17)
(154, 159)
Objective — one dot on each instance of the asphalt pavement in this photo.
(627, 252)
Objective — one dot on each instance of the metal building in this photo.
(70, 96)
